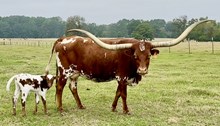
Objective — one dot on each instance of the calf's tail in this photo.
(9, 83)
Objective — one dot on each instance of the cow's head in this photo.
(142, 52)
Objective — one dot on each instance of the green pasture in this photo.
(181, 89)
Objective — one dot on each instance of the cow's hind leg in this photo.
(73, 88)
(59, 92)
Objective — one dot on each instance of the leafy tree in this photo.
(216, 34)
(31, 27)
(143, 31)
(158, 26)
(204, 32)
(53, 27)
(41, 27)
(176, 27)
(75, 22)
(132, 26)
(4, 29)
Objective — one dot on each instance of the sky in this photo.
(111, 11)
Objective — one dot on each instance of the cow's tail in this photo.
(51, 56)
(57, 79)
(57, 76)
(9, 83)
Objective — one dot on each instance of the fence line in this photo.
(194, 47)
(186, 46)
(28, 42)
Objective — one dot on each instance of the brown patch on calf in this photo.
(28, 81)
(36, 83)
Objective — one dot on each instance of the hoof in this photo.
(46, 113)
(34, 112)
(82, 107)
(62, 113)
(126, 113)
(114, 110)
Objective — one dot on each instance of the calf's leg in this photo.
(15, 98)
(36, 102)
(45, 104)
(23, 101)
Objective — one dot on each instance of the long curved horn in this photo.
(180, 38)
(102, 44)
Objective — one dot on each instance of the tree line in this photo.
(41, 27)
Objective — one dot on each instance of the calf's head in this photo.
(48, 80)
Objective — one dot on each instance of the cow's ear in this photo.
(154, 52)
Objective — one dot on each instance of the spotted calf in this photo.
(27, 82)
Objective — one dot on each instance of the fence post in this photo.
(3, 41)
(212, 46)
(189, 46)
(169, 49)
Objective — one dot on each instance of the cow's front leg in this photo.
(121, 92)
(115, 102)
(59, 92)
(73, 89)
(123, 89)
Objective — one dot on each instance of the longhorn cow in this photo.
(101, 60)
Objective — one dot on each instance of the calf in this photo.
(27, 82)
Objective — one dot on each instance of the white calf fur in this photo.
(24, 83)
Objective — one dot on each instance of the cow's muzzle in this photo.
(142, 71)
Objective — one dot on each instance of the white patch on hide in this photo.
(64, 47)
(142, 46)
(85, 40)
(58, 60)
(66, 41)
(105, 55)
(130, 82)
(118, 78)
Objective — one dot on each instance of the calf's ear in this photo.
(43, 77)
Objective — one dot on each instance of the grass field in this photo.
(181, 89)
